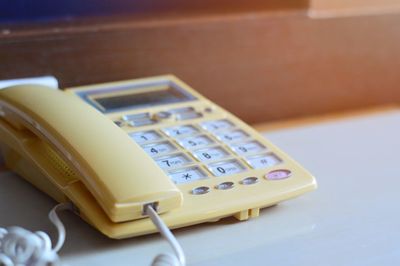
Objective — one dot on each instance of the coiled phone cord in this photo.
(20, 247)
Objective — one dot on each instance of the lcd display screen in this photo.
(137, 99)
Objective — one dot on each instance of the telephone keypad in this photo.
(187, 175)
(159, 148)
(226, 168)
(210, 154)
(173, 161)
(218, 145)
(146, 136)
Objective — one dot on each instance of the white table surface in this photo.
(352, 219)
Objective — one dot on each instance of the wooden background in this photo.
(263, 61)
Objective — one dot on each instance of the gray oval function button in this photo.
(200, 190)
(225, 185)
(278, 174)
(249, 180)
(162, 115)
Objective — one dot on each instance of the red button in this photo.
(278, 174)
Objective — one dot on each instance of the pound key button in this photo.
(200, 190)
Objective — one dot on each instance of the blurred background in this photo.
(264, 60)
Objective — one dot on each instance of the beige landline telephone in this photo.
(112, 149)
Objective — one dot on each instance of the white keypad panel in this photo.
(158, 149)
(173, 161)
(263, 161)
(247, 147)
(217, 125)
(218, 145)
(176, 132)
(195, 142)
(146, 136)
(210, 154)
(187, 175)
(226, 168)
(232, 136)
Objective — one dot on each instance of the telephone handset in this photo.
(111, 149)
(80, 136)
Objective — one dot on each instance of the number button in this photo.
(216, 125)
(210, 154)
(187, 175)
(195, 142)
(263, 161)
(173, 161)
(159, 148)
(142, 137)
(176, 132)
(232, 136)
(247, 147)
(226, 168)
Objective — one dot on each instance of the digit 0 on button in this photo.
(229, 167)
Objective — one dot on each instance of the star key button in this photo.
(187, 175)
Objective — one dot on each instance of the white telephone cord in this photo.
(166, 259)
(20, 247)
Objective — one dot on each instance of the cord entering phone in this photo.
(166, 259)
